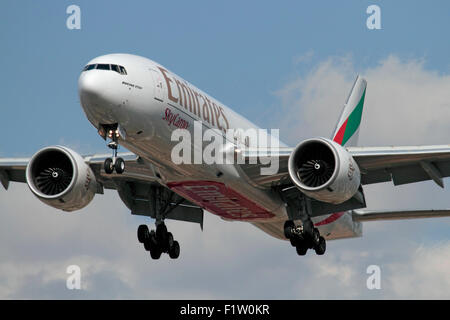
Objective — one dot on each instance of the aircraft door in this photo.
(157, 85)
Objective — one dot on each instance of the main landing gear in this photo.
(114, 163)
(304, 237)
(159, 241)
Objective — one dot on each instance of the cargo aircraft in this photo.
(316, 193)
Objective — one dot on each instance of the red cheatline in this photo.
(330, 219)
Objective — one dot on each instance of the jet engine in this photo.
(324, 170)
(59, 177)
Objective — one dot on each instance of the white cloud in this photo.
(424, 276)
(304, 58)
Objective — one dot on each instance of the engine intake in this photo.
(52, 172)
(315, 164)
(324, 170)
(59, 177)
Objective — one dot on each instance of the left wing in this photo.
(401, 165)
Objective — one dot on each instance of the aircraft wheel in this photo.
(143, 233)
(150, 241)
(293, 241)
(154, 247)
(315, 237)
(119, 166)
(155, 253)
(170, 240)
(288, 226)
(321, 247)
(108, 166)
(301, 249)
(161, 233)
(174, 250)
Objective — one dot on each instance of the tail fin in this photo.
(347, 128)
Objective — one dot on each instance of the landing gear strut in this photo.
(159, 241)
(114, 163)
(304, 237)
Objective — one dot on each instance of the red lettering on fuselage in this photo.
(188, 99)
(175, 120)
(217, 198)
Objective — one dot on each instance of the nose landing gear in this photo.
(114, 163)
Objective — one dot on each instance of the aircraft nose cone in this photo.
(96, 97)
(89, 85)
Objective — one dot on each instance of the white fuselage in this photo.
(149, 102)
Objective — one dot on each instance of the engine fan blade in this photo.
(51, 181)
(314, 173)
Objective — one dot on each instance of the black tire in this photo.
(108, 166)
(119, 166)
(293, 241)
(321, 247)
(301, 249)
(170, 240)
(288, 225)
(143, 233)
(174, 250)
(155, 253)
(161, 233)
(147, 245)
(150, 242)
(155, 248)
(315, 237)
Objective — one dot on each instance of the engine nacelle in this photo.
(324, 170)
(59, 177)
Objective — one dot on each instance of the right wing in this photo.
(401, 165)
(12, 169)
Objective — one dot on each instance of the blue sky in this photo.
(285, 64)
(239, 52)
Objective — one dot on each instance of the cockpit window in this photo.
(103, 66)
(115, 68)
(89, 67)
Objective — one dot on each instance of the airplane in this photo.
(315, 195)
